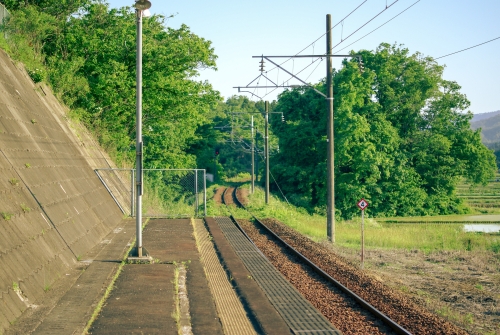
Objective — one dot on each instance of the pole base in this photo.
(135, 258)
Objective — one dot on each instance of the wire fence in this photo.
(168, 193)
(4, 13)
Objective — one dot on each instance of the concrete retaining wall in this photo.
(53, 208)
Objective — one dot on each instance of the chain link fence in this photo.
(169, 193)
(4, 14)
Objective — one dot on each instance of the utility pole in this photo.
(330, 215)
(253, 160)
(257, 160)
(329, 104)
(267, 152)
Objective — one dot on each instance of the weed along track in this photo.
(353, 302)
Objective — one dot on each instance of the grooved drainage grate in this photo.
(231, 312)
(298, 313)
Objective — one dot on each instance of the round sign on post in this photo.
(362, 204)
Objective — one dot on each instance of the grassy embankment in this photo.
(429, 236)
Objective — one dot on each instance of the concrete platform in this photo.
(69, 303)
(221, 296)
(143, 299)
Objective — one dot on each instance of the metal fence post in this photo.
(132, 194)
(4, 14)
(205, 192)
(124, 191)
(196, 191)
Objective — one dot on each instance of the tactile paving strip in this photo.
(298, 313)
(231, 312)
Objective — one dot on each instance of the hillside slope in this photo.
(53, 207)
(484, 116)
(490, 128)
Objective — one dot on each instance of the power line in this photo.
(312, 71)
(367, 22)
(378, 27)
(355, 9)
(467, 48)
(386, 8)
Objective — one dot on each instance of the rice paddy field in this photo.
(482, 199)
(484, 202)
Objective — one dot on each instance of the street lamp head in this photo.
(142, 4)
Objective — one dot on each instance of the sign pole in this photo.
(362, 204)
(362, 238)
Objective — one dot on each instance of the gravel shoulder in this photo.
(393, 303)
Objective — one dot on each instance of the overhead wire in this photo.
(312, 72)
(343, 40)
(247, 148)
(298, 53)
(373, 18)
(378, 26)
(467, 48)
(262, 158)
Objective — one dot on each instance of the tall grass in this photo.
(425, 237)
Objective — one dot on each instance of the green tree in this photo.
(402, 139)
(89, 55)
(233, 124)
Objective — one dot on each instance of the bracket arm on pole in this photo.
(294, 76)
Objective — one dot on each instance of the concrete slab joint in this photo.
(184, 322)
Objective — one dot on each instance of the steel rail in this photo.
(393, 325)
(232, 216)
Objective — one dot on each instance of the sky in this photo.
(239, 30)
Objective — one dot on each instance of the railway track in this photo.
(352, 301)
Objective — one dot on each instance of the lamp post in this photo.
(140, 7)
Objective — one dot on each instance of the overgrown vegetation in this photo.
(232, 119)
(86, 52)
(402, 140)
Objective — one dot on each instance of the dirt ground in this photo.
(463, 287)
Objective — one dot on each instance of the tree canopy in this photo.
(402, 138)
(402, 133)
(234, 138)
(87, 52)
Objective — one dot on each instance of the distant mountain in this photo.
(483, 116)
(490, 125)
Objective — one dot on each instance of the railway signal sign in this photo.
(362, 204)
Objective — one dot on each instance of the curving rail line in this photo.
(389, 322)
